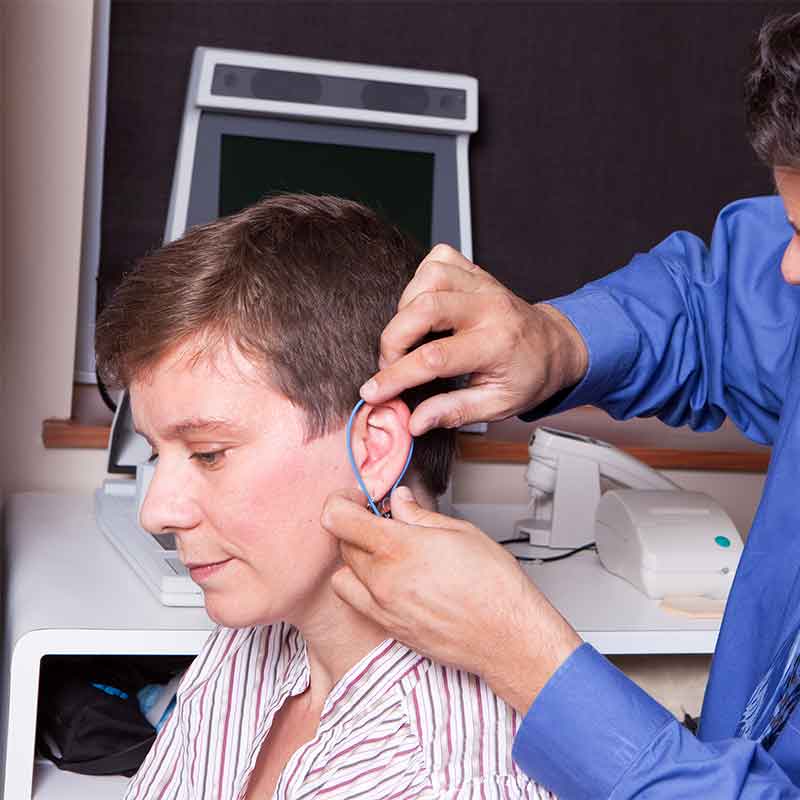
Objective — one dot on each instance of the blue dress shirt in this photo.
(691, 334)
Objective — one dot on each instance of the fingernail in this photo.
(403, 493)
(369, 389)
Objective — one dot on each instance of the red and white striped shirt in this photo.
(396, 726)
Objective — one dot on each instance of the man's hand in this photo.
(448, 591)
(516, 354)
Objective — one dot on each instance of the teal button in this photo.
(722, 541)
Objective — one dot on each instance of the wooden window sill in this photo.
(475, 448)
(66, 433)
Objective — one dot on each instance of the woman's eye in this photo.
(153, 457)
(211, 458)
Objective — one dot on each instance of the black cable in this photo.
(513, 541)
(548, 559)
(107, 399)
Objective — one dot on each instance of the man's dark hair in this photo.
(302, 285)
(772, 92)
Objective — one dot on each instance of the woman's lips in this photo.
(201, 573)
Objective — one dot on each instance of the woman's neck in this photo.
(337, 637)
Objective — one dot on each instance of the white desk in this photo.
(68, 591)
(607, 612)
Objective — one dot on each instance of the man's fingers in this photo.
(430, 312)
(349, 588)
(361, 562)
(439, 275)
(457, 408)
(470, 351)
(405, 509)
(449, 254)
(445, 254)
(345, 517)
(353, 495)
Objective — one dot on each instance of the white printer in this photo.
(668, 543)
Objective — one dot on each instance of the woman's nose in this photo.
(167, 506)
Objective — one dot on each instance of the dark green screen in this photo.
(398, 184)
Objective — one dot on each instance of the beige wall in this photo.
(45, 91)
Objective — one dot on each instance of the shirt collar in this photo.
(371, 680)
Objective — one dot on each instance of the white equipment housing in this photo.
(564, 479)
(663, 540)
(668, 543)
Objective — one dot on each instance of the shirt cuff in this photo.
(612, 342)
(587, 726)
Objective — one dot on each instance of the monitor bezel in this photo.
(200, 99)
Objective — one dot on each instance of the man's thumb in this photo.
(406, 509)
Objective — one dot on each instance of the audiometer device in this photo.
(667, 542)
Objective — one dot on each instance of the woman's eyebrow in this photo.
(200, 425)
(192, 425)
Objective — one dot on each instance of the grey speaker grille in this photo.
(304, 87)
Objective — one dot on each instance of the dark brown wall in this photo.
(603, 126)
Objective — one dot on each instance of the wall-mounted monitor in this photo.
(393, 139)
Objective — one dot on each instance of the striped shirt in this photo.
(396, 726)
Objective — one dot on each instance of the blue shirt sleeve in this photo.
(693, 334)
(690, 334)
(592, 733)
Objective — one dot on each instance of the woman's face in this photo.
(237, 484)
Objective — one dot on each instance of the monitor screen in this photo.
(398, 184)
(409, 177)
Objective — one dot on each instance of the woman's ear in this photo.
(380, 440)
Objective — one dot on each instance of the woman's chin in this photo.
(229, 613)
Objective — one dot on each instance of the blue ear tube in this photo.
(348, 433)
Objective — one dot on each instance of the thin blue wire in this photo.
(350, 455)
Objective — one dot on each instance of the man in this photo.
(243, 345)
(686, 333)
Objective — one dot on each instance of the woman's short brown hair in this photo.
(303, 285)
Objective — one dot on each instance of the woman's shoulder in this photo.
(468, 734)
(461, 699)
